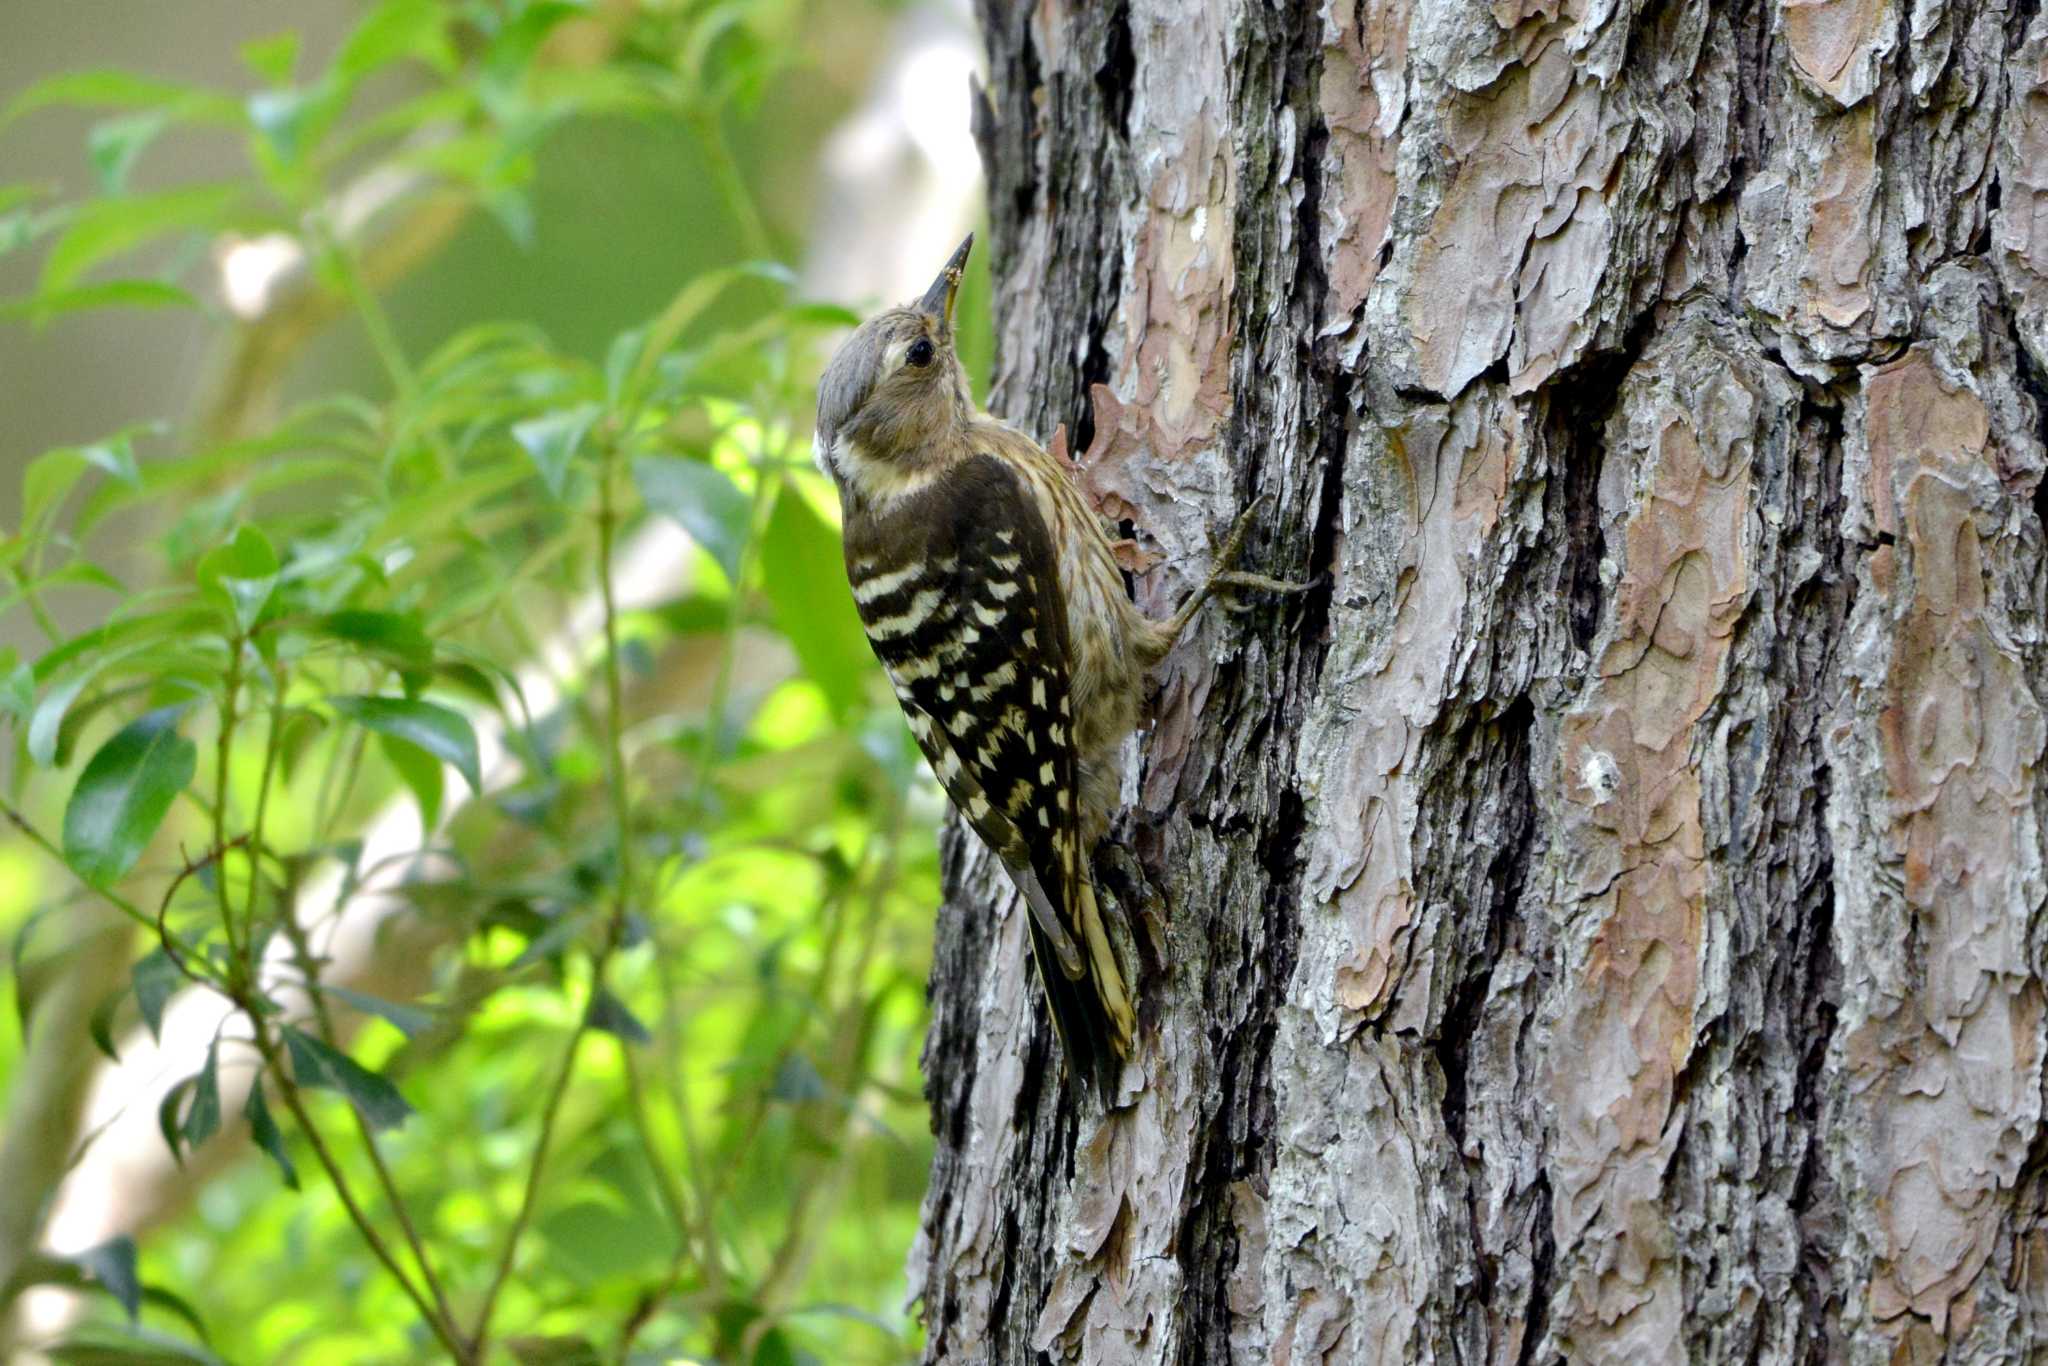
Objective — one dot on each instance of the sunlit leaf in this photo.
(114, 145)
(263, 1129)
(314, 1064)
(110, 88)
(108, 227)
(702, 500)
(393, 636)
(534, 1350)
(124, 793)
(440, 731)
(17, 685)
(393, 30)
(593, 1241)
(420, 772)
(292, 121)
(274, 57)
(812, 604)
(51, 303)
(116, 456)
(244, 571)
(512, 48)
(689, 304)
(552, 439)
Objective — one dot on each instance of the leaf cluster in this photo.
(633, 1072)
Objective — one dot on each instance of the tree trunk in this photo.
(1605, 922)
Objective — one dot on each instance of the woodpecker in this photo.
(991, 595)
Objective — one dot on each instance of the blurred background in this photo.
(466, 894)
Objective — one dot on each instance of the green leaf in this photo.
(124, 793)
(112, 1264)
(46, 723)
(108, 88)
(273, 58)
(395, 636)
(608, 1013)
(40, 307)
(440, 731)
(394, 30)
(115, 144)
(685, 308)
(552, 439)
(703, 501)
(264, 1130)
(72, 1273)
(47, 480)
(101, 1024)
(156, 977)
(315, 1064)
(20, 227)
(534, 1350)
(595, 1241)
(420, 772)
(17, 685)
(116, 456)
(101, 1344)
(25, 990)
(244, 571)
(291, 121)
(812, 605)
(796, 1080)
(108, 227)
(408, 1020)
(202, 1120)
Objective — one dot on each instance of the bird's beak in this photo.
(938, 300)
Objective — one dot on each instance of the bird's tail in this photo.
(1092, 1012)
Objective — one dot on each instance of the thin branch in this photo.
(224, 755)
(607, 527)
(44, 843)
(324, 1016)
(443, 1328)
(530, 1197)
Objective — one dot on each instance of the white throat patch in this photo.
(876, 482)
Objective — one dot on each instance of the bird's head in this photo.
(894, 393)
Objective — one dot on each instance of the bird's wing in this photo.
(973, 635)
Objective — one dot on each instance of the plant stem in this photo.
(43, 842)
(725, 170)
(607, 529)
(443, 1328)
(550, 1112)
(615, 706)
(34, 599)
(308, 968)
(223, 760)
(376, 322)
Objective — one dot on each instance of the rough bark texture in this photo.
(1607, 922)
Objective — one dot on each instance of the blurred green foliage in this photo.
(650, 1091)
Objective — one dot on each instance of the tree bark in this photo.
(1606, 920)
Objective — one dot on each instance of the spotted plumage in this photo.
(992, 598)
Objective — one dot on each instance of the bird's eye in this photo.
(920, 353)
